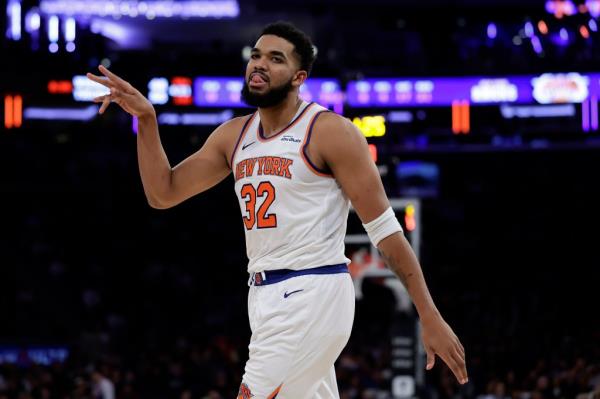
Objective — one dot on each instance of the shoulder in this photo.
(332, 131)
(226, 134)
(233, 126)
(334, 140)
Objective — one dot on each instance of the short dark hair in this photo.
(302, 44)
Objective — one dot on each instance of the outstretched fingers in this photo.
(105, 104)
(100, 79)
(118, 82)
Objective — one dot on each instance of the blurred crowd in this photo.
(152, 304)
(213, 371)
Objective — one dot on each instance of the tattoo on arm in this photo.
(393, 264)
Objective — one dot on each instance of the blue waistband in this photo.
(275, 276)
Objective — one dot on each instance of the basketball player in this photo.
(296, 168)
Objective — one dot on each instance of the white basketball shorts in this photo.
(299, 327)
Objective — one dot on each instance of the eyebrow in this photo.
(272, 52)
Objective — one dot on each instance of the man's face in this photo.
(271, 73)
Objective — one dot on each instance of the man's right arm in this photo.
(166, 187)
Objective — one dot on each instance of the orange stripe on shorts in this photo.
(273, 394)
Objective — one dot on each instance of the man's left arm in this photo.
(341, 147)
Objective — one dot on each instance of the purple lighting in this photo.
(110, 30)
(593, 7)
(594, 112)
(13, 11)
(32, 21)
(528, 29)
(225, 92)
(561, 38)
(537, 44)
(73, 114)
(492, 30)
(560, 8)
(585, 116)
(148, 9)
(53, 29)
(69, 29)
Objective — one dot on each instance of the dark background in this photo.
(156, 300)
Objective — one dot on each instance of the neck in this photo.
(275, 118)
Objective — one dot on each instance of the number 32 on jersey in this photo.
(261, 216)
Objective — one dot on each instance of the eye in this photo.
(276, 59)
(254, 56)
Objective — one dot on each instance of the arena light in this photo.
(8, 112)
(400, 116)
(13, 12)
(85, 89)
(542, 27)
(561, 8)
(18, 110)
(537, 45)
(537, 111)
(585, 116)
(371, 126)
(564, 34)
(594, 112)
(492, 30)
(409, 218)
(53, 29)
(181, 90)
(112, 30)
(495, 90)
(195, 118)
(551, 88)
(70, 29)
(148, 9)
(158, 90)
(73, 114)
(461, 118)
(373, 152)
(593, 25)
(13, 111)
(60, 87)
(593, 7)
(528, 29)
(32, 21)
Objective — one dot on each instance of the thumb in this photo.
(430, 359)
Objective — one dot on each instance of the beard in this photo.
(273, 97)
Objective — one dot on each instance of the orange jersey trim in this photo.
(303, 153)
(241, 138)
(259, 131)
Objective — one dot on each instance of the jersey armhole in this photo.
(305, 157)
(240, 138)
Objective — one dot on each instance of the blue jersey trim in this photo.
(308, 136)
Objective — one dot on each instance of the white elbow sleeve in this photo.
(383, 226)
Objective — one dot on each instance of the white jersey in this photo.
(294, 214)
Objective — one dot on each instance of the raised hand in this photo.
(122, 93)
(439, 339)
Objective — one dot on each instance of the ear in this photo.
(299, 78)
